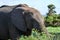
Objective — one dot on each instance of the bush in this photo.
(52, 20)
(35, 35)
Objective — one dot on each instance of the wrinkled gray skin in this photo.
(19, 20)
(5, 22)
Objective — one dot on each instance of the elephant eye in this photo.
(27, 13)
(31, 13)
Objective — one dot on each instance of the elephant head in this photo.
(27, 18)
(37, 16)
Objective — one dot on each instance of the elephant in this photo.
(19, 20)
(31, 18)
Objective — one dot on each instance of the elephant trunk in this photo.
(42, 27)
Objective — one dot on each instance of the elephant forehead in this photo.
(19, 8)
(23, 8)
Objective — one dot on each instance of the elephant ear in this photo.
(28, 19)
(18, 19)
